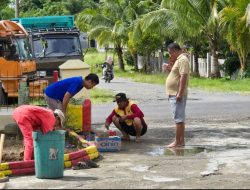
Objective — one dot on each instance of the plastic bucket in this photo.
(49, 154)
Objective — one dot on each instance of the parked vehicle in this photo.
(54, 40)
(16, 63)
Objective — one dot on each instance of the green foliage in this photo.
(237, 33)
(128, 58)
(231, 64)
(247, 70)
(92, 50)
(148, 43)
(74, 6)
(37, 101)
(4, 4)
(7, 13)
(31, 8)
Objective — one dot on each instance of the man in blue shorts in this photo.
(58, 94)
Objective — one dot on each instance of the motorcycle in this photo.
(108, 76)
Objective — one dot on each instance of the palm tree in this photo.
(107, 23)
(234, 22)
(144, 42)
(189, 19)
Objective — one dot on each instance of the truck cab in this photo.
(54, 40)
(16, 62)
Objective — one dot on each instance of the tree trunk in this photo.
(134, 57)
(120, 57)
(16, 8)
(242, 66)
(196, 72)
(148, 66)
(215, 70)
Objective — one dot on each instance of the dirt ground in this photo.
(13, 149)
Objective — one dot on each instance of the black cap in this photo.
(120, 97)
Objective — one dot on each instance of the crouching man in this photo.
(128, 118)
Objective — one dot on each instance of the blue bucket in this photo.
(49, 154)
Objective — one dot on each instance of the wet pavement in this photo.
(216, 155)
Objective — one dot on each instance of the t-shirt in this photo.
(181, 66)
(136, 112)
(58, 89)
(38, 117)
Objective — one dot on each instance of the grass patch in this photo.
(99, 96)
(221, 85)
(218, 85)
(37, 101)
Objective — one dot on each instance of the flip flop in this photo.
(81, 165)
(92, 164)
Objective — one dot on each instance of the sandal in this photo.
(92, 164)
(81, 165)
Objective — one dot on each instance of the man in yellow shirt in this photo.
(176, 89)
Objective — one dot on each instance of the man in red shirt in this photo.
(31, 118)
(127, 117)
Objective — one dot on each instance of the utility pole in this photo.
(17, 8)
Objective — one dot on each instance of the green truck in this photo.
(54, 40)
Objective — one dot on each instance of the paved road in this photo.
(152, 99)
(216, 154)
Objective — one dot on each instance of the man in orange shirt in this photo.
(31, 118)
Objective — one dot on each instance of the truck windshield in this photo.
(62, 46)
(23, 49)
(15, 49)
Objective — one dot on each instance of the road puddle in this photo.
(180, 151)
(193, 150)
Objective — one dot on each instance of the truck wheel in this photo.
(3, 97)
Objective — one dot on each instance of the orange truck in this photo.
(16, 63)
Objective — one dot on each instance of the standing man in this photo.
(31, 118)
(58, 94)
(128, 118)
(176, 89)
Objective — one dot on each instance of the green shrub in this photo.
(128, 58)
(231, 65)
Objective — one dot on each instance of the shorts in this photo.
(130, 129)
(52, 103)
(178, 108)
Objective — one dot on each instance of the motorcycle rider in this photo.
(107, 66)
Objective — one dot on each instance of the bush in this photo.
(128, 58)
(91, 49)
(231, 65)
